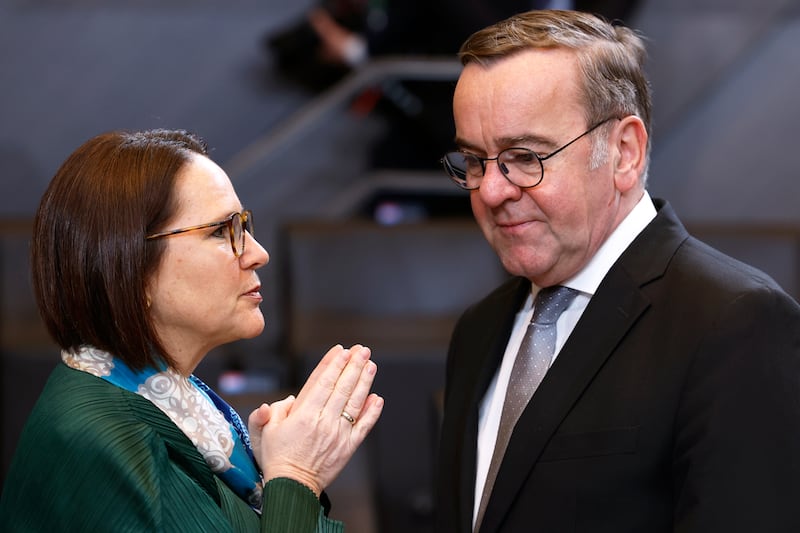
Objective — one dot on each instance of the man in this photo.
(672, 398)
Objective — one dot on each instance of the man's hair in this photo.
(610, 57)
(90, 260)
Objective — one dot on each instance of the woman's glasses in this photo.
(238, 224)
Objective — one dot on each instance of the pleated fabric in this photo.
(95, 457)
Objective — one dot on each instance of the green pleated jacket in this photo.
(94, 457)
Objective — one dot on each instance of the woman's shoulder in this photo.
(90, 424)
(105, 447)
(80, 397)
(77, 409)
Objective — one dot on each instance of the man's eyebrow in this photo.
(528, 139)
(464, 145)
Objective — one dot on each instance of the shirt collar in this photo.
(590, 276)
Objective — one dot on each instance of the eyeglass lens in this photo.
(239, 224)
(521, 166)
(237, 235)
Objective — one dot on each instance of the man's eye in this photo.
(472, 163)
(525, 157)
(220, 232)
(520, 156)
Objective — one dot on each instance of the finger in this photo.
(258, 418)
(280, 410)
(322, 380)
(370, 413)
(326, 360)
(355, 403)
(346, 383)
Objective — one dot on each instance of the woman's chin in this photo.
(252, 327)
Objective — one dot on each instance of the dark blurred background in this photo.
(369, 241)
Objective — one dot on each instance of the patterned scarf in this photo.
(212, 425)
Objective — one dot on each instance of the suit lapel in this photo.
(613, 310)
(487, 346)
(508, 303)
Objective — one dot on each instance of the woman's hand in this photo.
(311, 438)
(255, 423)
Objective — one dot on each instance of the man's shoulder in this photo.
(720, 270)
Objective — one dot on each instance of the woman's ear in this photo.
(630, 152)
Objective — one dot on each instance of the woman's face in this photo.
(202, 295)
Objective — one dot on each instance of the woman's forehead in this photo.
(203, 189)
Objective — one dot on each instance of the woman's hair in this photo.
(611, 58)
(90, 260)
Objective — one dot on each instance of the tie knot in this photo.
(551, 302)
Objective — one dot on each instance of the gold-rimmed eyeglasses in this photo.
(237, 223)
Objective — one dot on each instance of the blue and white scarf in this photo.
(207, 420)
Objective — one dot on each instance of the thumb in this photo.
(280, 410)
(259, 417)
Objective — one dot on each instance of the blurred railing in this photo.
(321, 108)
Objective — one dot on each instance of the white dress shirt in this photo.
(585, 282)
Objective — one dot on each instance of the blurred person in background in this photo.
(339, 36)
(628, 377)
(144, 260)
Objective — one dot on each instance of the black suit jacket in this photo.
(673, 406)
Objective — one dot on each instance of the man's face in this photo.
(531, 100)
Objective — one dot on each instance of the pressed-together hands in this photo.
(308, 438)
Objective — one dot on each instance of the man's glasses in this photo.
(521, 166)
(238, 224)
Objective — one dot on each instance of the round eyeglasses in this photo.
(521, 166)
(237, 223)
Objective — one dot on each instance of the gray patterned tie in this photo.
(533, 359)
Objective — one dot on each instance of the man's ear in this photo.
(630, 152)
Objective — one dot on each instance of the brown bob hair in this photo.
(90, 260)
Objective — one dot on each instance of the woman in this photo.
(143, 260)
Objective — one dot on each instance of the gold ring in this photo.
(347, 416)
